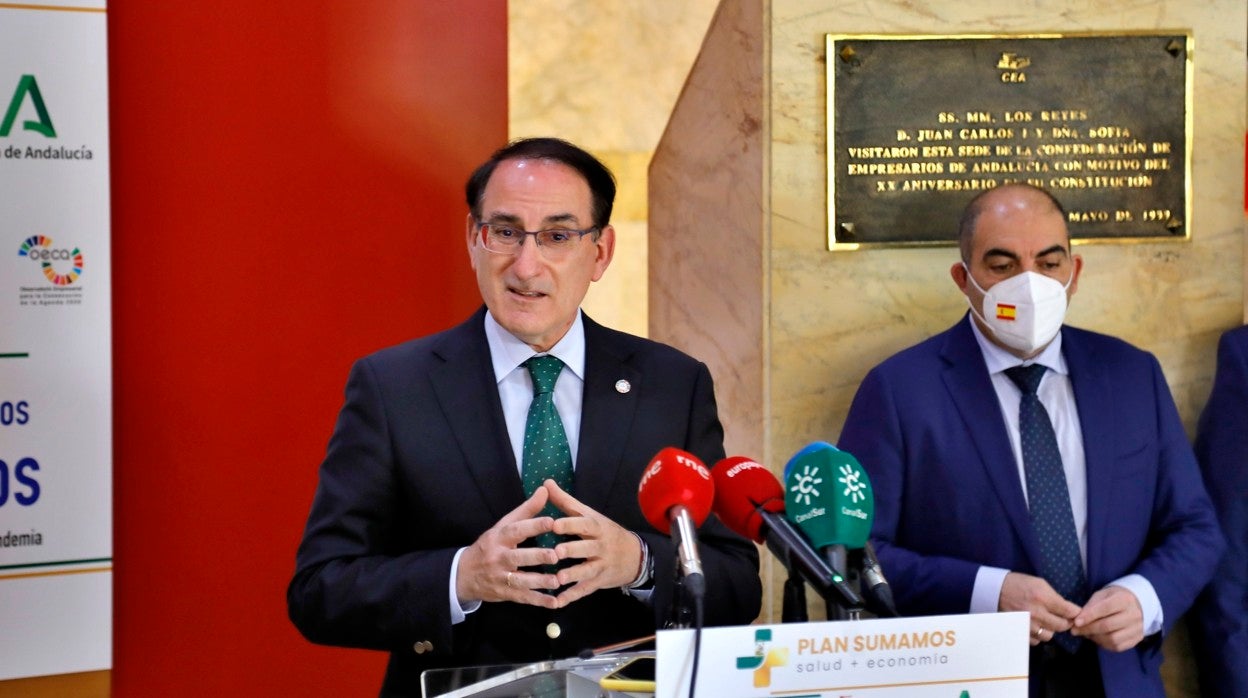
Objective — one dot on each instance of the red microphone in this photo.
(750, 501)
(745, 489)
(675, 494)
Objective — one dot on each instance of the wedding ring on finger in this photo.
(1039, 633)
(509, 584)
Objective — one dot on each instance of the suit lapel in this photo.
(1094, 401)
(466, 390)
(606, 414)
(970, 388)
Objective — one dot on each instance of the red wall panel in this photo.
(287, 196)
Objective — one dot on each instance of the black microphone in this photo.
(750, 501)
(875, 587)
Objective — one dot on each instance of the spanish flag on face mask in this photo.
(1005, 311)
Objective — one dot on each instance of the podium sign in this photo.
(976, 656)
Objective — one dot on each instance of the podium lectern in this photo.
(556, 678)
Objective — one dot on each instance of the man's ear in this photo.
(605, 245)
(471, 238)
(958, 273)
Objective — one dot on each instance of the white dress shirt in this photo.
(515, 385)
(1058, 397)
(515, 390)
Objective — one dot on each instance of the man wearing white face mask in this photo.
(1023, 465)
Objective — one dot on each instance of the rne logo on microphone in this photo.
(651, 470)
(693, 464)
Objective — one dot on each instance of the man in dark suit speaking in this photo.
(1023, 465)
(478, 500)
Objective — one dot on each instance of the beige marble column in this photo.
(605, 74)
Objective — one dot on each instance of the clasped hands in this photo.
(1112, 617)
(490, 569)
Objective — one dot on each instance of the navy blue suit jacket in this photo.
(1220, 617)
(420, 465)
(927, 427)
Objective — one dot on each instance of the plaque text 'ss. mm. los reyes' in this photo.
(919, 125)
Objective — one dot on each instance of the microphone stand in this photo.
(838, 612)
(836, 556)
(682, 611)
(852, 576)
(794, 607)
(688, 589)
(686, 612)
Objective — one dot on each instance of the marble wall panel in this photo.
(604, 75)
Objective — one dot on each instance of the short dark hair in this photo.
(601, 181)
(970, 215)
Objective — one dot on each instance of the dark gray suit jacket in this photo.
(420, 465)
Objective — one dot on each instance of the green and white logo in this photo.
(854, 480)
(805, 487)
(27, 88)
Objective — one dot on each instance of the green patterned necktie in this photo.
(546, 454)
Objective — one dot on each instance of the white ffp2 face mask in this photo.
(1024, 312)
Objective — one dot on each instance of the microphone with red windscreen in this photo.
(675, 494)
(750, 501)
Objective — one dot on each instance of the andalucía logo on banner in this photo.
(26, 102)
(27, 88)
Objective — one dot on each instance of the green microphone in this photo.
(828, 497)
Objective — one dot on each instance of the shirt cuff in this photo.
(459, 612)
(1144, 592)
(986, 594)
(642, 588)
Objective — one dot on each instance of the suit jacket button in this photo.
(422, 647)
(553, 630)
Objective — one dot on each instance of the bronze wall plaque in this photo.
(919, 125)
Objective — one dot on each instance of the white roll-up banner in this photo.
(56, 540)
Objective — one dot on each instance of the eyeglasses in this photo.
(553, 244)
